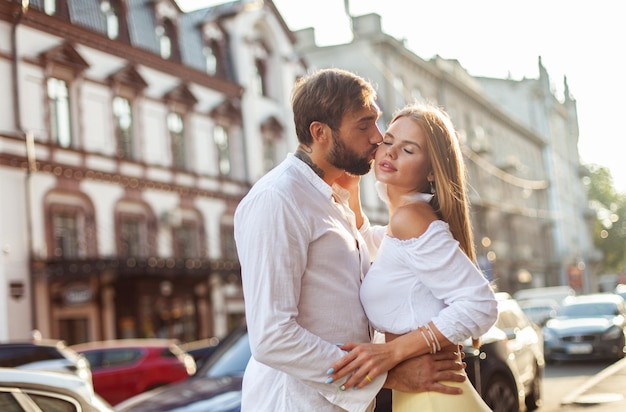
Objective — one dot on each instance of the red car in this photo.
(127, 367)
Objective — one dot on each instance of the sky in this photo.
(582, 40)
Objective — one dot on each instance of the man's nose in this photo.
(377, 138)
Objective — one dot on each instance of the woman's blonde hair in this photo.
(450, 200)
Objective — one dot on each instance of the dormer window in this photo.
(210, 60)
(213, 41)
(50, 7)
(112, 19)
(165, 43)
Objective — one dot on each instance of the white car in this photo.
(44, 355)
(41, 391)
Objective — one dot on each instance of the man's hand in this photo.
(424, 373)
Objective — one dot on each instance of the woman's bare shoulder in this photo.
(412, 220)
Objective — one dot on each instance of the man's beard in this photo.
(341, 157)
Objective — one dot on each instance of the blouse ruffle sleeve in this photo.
(442, 267)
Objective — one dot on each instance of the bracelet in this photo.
(431, 349)
(434, 337)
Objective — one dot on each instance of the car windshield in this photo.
(232, 361)
(588, 310)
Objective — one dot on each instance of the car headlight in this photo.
(612, 333)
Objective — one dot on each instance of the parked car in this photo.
(216, 387)
(539, 310)
(36, 391)
(510, 361)
(45, 355)
(587, 327)
(126, 367)
(556, 293)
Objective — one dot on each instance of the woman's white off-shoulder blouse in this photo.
(414, 281)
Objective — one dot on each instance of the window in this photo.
(269, 154)
(213, 40)
(271, 133)
(168, 40)
(259, 78)
(65, 227)
(210, 60)
(112, 20)
(177, 136)
(60, 121)
(50, 7)
(131, 238)
(220, 137)
(398, 85)
(122, 112)
(186, 238)
(165, 43)
(229, 249)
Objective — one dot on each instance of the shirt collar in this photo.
(311, 176)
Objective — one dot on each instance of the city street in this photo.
(562, 378)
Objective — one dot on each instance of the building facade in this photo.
(125, 136)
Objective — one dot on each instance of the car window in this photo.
(8, 403)
(13, 356)
(596, 309)
(233, 361)
(115, 357)
(54, 404)
(94, 358)
(167, 353)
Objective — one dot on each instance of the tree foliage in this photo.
(610, 227)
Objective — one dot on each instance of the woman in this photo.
(423, 291)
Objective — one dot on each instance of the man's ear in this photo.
(319, 131)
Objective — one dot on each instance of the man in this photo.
(302, 260)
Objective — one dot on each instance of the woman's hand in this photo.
(363, 363)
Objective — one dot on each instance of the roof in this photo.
(594, 298)
(52, 379)
(124, 343)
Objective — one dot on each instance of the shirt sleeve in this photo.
(471, 306)
(272, 242)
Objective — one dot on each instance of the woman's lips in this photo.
(386, 166)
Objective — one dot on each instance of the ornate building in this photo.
(125, 141)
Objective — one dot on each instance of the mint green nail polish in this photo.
(342, 388)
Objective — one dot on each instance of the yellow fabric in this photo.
(469, 401)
